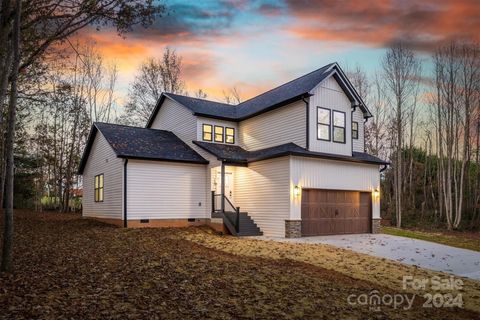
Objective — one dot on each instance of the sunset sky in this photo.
(256, 45)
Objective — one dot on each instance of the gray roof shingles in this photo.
(142, 143)
(236, 154)
(276, 97)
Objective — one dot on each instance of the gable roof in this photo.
(141, 143)
(282, 95)
(237, 155)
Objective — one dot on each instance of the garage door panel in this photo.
(335, 212)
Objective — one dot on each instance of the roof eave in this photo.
(163, 159)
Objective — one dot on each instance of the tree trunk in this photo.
(9, 146)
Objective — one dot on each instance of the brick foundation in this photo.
(293, 228)
(376, 225)
(155, 223)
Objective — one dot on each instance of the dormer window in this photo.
(355, 130)
(229, 135)
(218, 134)
(207, 130)
(323, 124)
(338, 126)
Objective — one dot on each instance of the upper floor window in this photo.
(229, 135)
(338, 126)
(355, 130)
(218, 134)
(98, 188)
(207, 131)
(323, 124)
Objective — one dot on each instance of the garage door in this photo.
(335, 212)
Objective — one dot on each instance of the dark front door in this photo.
(335, 212)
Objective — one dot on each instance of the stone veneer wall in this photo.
(376, 225)
(293, 228)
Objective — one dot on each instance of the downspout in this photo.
(351, 122)
(307, 104)
(385, 166)
(125, 224)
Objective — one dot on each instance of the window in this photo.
(207, 132)
(218, 134)
(229, 135)
(99, 188)
(323, 124)
(339, 126)
(355, 130)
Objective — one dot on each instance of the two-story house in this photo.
(289, 162)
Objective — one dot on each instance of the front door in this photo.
(228, 185)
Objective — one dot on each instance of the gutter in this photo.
(125, 224)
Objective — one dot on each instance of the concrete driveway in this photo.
(424, 254)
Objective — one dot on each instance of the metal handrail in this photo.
(235, 209)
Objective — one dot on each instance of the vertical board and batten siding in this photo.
(214, 122)
(328, 94)
(310, 173)
(359, 144)
(261, 189)
(284, 125)
(166, 190)
(103, 159)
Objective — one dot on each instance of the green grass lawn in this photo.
(465, 240)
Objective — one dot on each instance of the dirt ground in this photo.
(68, 267)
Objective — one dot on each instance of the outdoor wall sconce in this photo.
(376, 193)
(296, 191)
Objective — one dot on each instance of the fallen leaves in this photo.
(68, 267)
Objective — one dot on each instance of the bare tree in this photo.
(12, 109)
(232, 96)
(154, 77)
(200, 94)
(401, 71)
(457, 74)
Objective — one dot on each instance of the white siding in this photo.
(176, 118)
(102, 159)
(328, 94)
(358, 144)
(166, 190)
(215, 122)
(335, 175)
(261, 189)
(276, 127)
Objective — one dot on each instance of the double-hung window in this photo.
(338, 126)
(355, 130)
(229, 135)
(218, 134)
(207, 131)
(98, 188)
(323, 124)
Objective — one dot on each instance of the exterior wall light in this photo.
(296, 191)
(376, 193)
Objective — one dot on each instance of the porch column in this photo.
(222, 186)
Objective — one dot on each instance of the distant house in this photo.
(289, 162)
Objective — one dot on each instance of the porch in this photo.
(238, 222)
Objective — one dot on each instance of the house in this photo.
(289, 162)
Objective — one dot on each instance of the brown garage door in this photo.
(335, 212)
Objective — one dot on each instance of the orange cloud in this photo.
(423, 25)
